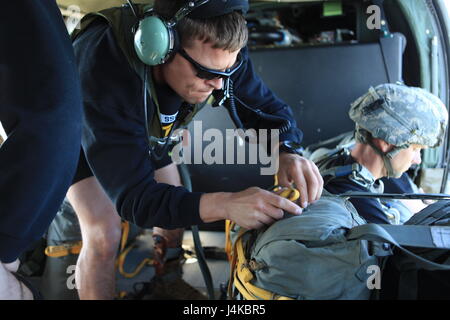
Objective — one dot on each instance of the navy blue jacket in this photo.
(114, 138)
(368, 208)
(40, 109)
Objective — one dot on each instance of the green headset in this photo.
(156, 38)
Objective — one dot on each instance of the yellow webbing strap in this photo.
(228, 245)
(64, 249)
(240, 274)
(166, 129)
(120, 262)
(275, 178)
(233, 264)
(75, 247)
(125, 233)
(289, 193)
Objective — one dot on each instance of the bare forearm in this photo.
(212, 208)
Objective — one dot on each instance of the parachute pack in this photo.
(330, 252)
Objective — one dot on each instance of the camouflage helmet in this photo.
(400, 115)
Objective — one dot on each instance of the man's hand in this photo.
(303, 173)
(250, 209)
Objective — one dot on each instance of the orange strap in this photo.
(64, 249)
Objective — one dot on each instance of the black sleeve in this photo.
(83, 170)
(250, 88)
(114, 138)
(40, 109)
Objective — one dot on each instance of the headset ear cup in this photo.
(174, 44)
(176, 41)
(153, 40)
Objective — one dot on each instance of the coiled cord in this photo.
(284, 124)
(231, 106)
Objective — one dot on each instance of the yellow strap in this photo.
(125, 233)
(64, 249)
(243, 276)
(242, 290)
(251, 292)
(238, 261)
(125, 226)
(228, 245)
(166, 129)
(121, 261)
(289, 193)
(75, 248)
(233, 263)
(240, 274)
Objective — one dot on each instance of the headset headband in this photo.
(215, 8)
(185, 10)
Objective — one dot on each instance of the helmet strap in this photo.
(387, 157)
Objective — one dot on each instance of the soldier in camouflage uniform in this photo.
(393, 124)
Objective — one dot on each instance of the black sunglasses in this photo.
(210, 74)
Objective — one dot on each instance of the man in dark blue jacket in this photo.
(40, 110)
(147, 190)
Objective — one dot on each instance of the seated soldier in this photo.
(393, 124)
